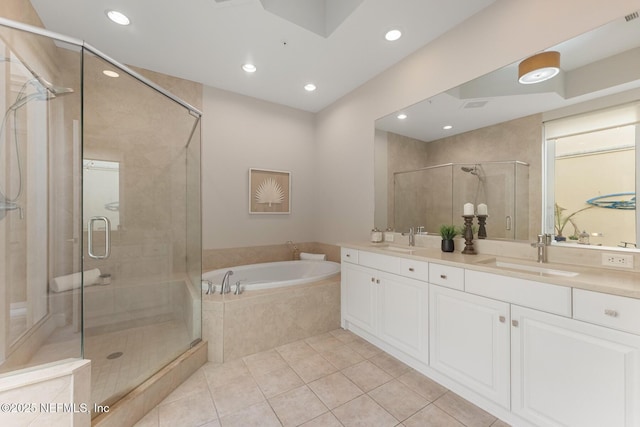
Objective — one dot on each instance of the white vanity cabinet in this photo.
(358, 292)
(388, 306)
(469, 341)
(570, 373)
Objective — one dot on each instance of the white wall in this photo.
(503, 33)
(239, 133)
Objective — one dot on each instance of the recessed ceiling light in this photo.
(402, 116)
(310, 87)
(249, 68)
(393, 35)
(447, 127)
(118, 17)
(110, 73)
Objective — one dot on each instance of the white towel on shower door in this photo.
(73, 281)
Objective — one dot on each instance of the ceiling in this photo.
(600, 62)
(336, 44)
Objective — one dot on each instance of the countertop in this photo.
(605, 280)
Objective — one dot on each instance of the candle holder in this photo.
(482, 231)
(468, 235)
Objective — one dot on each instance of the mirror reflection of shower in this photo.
(481, 190)
(36, 88)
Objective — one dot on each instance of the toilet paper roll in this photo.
(74, 281)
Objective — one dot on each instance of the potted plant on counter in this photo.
(448, 232)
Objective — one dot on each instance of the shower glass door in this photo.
(141, 229)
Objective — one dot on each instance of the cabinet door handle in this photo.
(443, 276)
(610, 312)
(348, 255)
(515, 323)
(502, 319)
(373, 279)
(411, 269)
(378, 281)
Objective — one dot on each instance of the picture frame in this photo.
(269, 192)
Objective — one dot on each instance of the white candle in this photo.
(468, 208)
(482, 209)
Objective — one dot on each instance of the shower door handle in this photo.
(107, 237)
(508, 222)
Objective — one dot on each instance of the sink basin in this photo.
(397, 249)
(539, 270)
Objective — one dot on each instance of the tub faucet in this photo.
(225, 289)
(544, 240)
(210, 288)
(238, 290)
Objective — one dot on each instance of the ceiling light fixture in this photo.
(110, 73)
(118, 17)
(310, 87)
(402, 116)
(393, 35)
(538, 68)
(249, 68)
(447, 127)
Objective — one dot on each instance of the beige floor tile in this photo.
(259, 415)
(398, 399)
(325, 420)
(312, 367)
(279, 381)
(364, 348)
(149, 420)
(366, 375)
(432, 416)
(324, 342)
(335, 390)
(344, 335)
(240, 394)
(195, 384)
(500, 423)
(192, 410)
(265, 361)
(342, 357)
(295, 351)
(219, 375)
(464, 411)
(389, 364)
(297, 406)
(422, 385)
(364, 412)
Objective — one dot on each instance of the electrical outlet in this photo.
(617, 260)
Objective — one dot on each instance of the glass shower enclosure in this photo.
(435, 195)
(100, 240)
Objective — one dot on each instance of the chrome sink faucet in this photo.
(544, 240)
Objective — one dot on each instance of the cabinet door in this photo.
(569, 373)
(403, 314)
(358, 296)
(469, 341)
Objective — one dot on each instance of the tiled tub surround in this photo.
(213, 259)
(514, 343)
(254, 321)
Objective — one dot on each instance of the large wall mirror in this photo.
(535, 154)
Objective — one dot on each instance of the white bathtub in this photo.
(272, 274)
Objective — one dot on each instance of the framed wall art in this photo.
(269, 191)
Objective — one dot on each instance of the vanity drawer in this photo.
(612, 311)
(445, 275)
(415, 269)
(349, 255)
(526, 293)
(390, 264)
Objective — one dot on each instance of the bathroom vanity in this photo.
(534, 344)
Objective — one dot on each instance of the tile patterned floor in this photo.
(334, 379)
